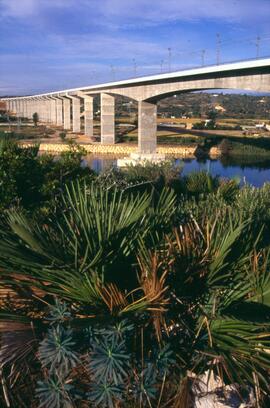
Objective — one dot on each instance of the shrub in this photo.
(35, 118)
(63, 136)
(201, 182)
(32, 180)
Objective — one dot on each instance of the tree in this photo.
(62, 135)
(212, 115)
(35, 118)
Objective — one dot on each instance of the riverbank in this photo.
(124, 149)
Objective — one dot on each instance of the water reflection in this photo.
(255, 171)
(99, 164)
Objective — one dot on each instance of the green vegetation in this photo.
(243, 146)
(63, 136)
(27, 133)
(32, 180)
(35, 118)
(238, 145)
(130, 288)
(200, 104)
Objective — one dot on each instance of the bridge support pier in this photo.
(39, 109)
(147, 137)
(107, 119)
(88, 116)
(53, 111)
(67, 113)
(147, 127)
(76, 113)
(59, 112)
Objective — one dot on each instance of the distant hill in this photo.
(226, 105)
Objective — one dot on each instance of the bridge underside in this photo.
(66, 110)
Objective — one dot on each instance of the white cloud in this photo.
(169, 10)
(18, 8)
(144, 11)
(104, 46)
(27, 8)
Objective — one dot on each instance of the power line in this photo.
(218, 48)
(225, 42)
(170, 59)
(134, 67)
(113, 72)
(258, 40)
(203, 58)
(201, 53)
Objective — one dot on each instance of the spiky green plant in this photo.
(105, 395)
(56, 351)
(109, 361)
(52, 393)
(201, 182)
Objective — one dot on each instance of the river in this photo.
(254, 171)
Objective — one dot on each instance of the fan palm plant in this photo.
(217, 289)
(73, 257)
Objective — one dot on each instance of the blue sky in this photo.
(48, 45)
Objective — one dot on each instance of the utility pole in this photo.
(161, 66)
(218, 48)
(203, 57)
(170, 59)
(258, 41)
(113, 72)
(134, 67)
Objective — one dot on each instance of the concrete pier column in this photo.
(67, 113)
(53, 111)
(24, 108)
(37, 108)
(18, 114)
(76, 113)
(16, 102)
(40, 110)
(147, 127)
(59, 112)
(8, 105)
(13, 106)
(19, 108)
(45, 109)
(88, 116)
(107, 103)
(33, 102)
(29, 104)
(27, 108)
(48, 110)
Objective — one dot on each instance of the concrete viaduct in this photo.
(63, 108)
